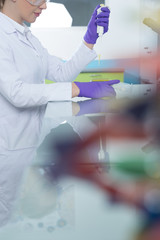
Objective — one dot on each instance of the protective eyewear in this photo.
(37, 2)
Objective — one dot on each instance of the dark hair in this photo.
(1, 3)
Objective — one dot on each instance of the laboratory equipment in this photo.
(100, 29)
(134, 90)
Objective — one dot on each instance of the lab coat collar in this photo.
(10, 26)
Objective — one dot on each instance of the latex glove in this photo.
(96, 89)
(102, 19)
(94, 106)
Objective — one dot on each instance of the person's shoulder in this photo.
(3, 30)
(3, 35)
(4, 40)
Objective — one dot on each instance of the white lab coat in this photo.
(25, 64)
(13, 165)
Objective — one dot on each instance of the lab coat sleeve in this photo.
(60, 71)
(22, 94)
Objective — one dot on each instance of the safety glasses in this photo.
(37, 2)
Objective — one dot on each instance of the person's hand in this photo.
(94, 106)
(102, 19)
(96, 89)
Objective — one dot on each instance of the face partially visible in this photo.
(25, 11)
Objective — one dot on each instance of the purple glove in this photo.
(94, 106)
(96, 89)
(102, 19)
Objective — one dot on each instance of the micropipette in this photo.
(100, 29)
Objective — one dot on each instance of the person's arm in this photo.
(22, 94)
(89, 45)
(67, 71)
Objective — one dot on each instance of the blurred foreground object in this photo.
(154, 25)
(70, 156)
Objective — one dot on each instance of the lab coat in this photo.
(13, 165)
(25, 65)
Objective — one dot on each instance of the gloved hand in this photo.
(96, 89)
(102, 19)
(94, 106)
